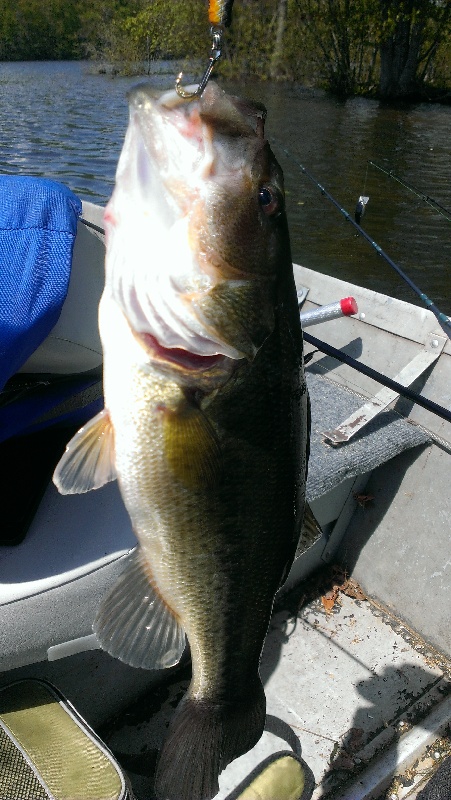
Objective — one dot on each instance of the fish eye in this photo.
(270, 200)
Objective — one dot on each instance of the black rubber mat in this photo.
(439, 787)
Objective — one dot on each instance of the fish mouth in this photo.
(177, 356)
(157, 287)
(193, 302)
(203, 373)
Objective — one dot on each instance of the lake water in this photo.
(58, 120)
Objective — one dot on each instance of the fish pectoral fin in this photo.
(88, 462)
(191, 447)
(134, 623)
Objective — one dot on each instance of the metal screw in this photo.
(434, 343)
(363, 315)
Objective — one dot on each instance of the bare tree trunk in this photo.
(408, 79)
(399, 51)
(403, 44)
(277, 54)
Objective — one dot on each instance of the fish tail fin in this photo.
(203, 738)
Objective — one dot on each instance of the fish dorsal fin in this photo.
(88, 462)
(134, 623)
(311, 530)
(191, 447)
(310, 523)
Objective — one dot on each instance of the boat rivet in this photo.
(362, 315)
(434, 343)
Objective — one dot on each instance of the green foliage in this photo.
(249, 43)
(174, 29)
(332, 43)
(340, 35)
(411, 32)
(129, 33)
(30, 29)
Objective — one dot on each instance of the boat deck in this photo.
(349, 687)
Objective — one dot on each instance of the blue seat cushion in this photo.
(38, 225)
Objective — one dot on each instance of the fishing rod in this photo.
(425, 197)
(404, 391)
(444, 321)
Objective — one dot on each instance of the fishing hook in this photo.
(215, 55)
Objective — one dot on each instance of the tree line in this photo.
(388, 48)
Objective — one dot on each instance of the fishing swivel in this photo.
(220, 16)
(215, 55)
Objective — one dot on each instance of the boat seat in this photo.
(50, 285)
(380, 440)
(38, 225)
(73, 345)
(51, 279)
(338, 474)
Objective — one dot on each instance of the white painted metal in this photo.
(419, 364)
(354, 489)
(341, 683)
(372, 782)
(386, 338)
(380, 311)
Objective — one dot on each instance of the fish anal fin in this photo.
(88, 462)
(134, 624)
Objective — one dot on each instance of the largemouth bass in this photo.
(205, 420)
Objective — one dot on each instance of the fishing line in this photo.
(425, 197)
(91, 225)
(366, 178)
(444, 321)
(361, 202)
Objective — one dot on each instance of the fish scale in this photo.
(205, 418)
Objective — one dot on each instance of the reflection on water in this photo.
(56, 120)
(334, 141)
(59, 121)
